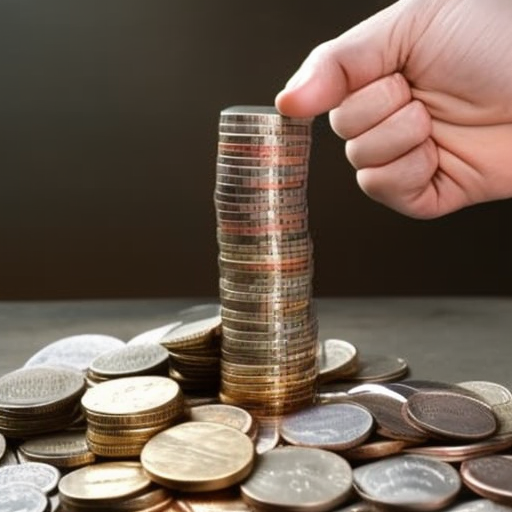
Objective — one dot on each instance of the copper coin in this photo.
(297, 478)
(451, 415)
(22, 497)
(490, 477)
(408, 481)
(375, 448)
(331, 426)
(225, 500)
(206, 456)
(76, 351)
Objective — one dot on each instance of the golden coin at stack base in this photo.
(198, 456)
(62, 450)
(122, 414)
(104, 485)
(130, 361)
(39, 400)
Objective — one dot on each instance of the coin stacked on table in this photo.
(39, 400)
(123, 414)
(269, 343)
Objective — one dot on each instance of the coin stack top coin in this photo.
(122, 414)
(269, 342)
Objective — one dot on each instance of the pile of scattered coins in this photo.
(372, 441)
(266, 266)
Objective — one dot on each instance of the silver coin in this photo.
(76, 351)
(491, 393)
(153, 336)
(380, 368)
(129, 360)
(360, 506)
(337, 358)
(420, 483)
(268, 436)
(479, 506)
(330, 426)
(297, 478)
(3, 446)
(36, 389)
(22, 497)
(43, 476)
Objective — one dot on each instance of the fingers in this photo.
(407, 184)
(370, 105)
(392, 138)
(375, 48)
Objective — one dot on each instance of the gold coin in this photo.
(225, 500)
(105, 481)
(131, 395)
(198, 456)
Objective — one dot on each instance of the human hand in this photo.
(422, 92)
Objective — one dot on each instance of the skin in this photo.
(422, 93)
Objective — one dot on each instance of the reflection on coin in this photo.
(420, 483)
(104, 481)
(153, 336)
(205, 456)
(331, 426)
(229, 415)
(63, 450)
(226, 500)
(22, 497)
(360, 506)
(297, 478)
(337, 359)
(268, 436)
(43, 476)
(479, 506)
(75, 351)
(451, 415)
(3, 446)
(490, 477)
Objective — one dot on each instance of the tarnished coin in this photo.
(450, 415)
(22, 497)
(408, 481)
(39, 390)
(130, 360)
(153, 336)
(104, 481)
(229, 415)
(75, 351)
(3, 446)
(379, 368)
(130, 395)
(205, 456)
(386, 408)
(479, 506)
(63, 450)
(298, 478)
(43, 476)
(490, 477)
(331, 426)
(337, 359)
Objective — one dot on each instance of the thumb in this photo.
(375, 48)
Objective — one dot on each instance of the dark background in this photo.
(108, 120)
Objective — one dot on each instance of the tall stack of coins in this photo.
(269, 343)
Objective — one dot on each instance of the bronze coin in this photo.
(450, 415)
(490, 477)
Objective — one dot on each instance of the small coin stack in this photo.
(39, 400)
(123, 414)
(269, 343)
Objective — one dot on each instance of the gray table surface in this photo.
(449, 339)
